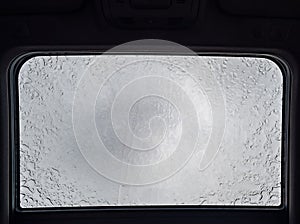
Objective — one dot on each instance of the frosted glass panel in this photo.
(114, 130)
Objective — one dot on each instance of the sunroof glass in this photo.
(129, 130)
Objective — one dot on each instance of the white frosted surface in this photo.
(55, 170)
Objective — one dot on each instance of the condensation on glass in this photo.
(116, 130)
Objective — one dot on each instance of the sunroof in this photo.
(130, 130)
